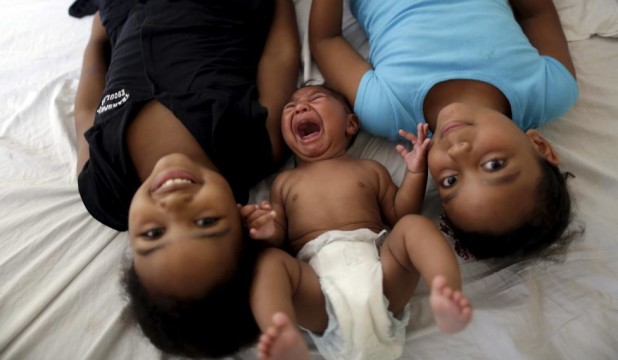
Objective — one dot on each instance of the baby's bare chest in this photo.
(331, 184)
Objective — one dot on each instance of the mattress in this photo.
(60, 296)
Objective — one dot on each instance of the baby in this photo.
(351, 281)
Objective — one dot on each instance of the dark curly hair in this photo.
(219, 324)
(336, 94)
(544, 234)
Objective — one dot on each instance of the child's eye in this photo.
(207, 221)
(317, 97)
(153, 234)
(448, 181)
(494, 164)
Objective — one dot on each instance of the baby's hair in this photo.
(544, 234)
(218, 324)
(333, 92)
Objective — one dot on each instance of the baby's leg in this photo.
(415, 247)
(285, 293)
(451, 308)
(282, 341)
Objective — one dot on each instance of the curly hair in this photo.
(336, 94)
(543, 234)
(216, 325)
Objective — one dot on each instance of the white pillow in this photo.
(582, 19)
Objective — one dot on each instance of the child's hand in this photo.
(260, 219)
(416, 160)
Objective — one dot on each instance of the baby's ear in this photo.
(353, 125)
(543, 147)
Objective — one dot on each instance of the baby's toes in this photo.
(457, 296)
(438, 282)
(447, 292)
(464, 302)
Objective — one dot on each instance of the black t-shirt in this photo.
(199, 59)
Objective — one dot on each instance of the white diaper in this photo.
(359, 324)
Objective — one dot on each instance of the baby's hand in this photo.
(260, 219)
(416, 160)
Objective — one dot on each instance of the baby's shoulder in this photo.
(287, 178)
(373, 165)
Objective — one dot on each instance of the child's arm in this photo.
(91, 86)
(340, 64)
(540, 22)
(278, 69)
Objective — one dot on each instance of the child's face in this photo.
(485, 167)
(316, 125)
(185, 228)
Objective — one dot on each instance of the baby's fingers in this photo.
(264, 205)
(247, 210)
(422, 130)
(261, 220)
(425, 145)
(408, 136)
(402, 150)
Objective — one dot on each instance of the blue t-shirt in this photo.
(417, 44)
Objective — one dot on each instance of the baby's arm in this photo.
(408, 198)
(91, 86)
(411, 193)
(340, 64)
(260, 219)
(267, 220)
(540, 22)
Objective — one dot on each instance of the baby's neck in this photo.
(307, 161)
(465, 91)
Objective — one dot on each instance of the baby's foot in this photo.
(282, 341)
(451, 309)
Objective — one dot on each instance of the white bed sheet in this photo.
(59, 292)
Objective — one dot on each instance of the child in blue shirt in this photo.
(483, 74)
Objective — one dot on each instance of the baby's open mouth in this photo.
(307, 129)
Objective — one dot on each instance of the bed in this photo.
(59, 268)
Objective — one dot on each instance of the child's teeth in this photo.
(175, 181)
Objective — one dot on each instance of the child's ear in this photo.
(543, 147)
(353, 125)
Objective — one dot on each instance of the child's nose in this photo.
(459, 149)
(175, 201)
